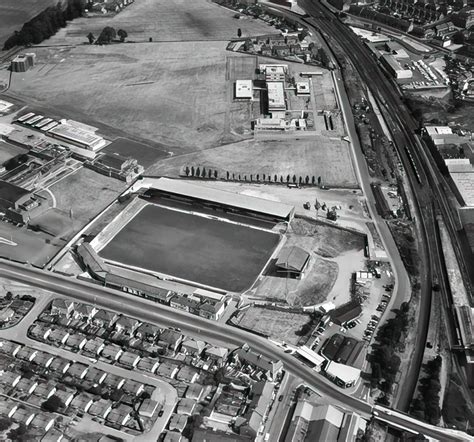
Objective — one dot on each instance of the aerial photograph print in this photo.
(236, 220)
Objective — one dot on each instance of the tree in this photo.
(322, 57)
(91, 38)
(319, 181)
(263, 177)
(209, 173)
(198, 172)
(239, 32)
(192, 171)
(294, 179)
(306, 180)
(5, 423)
(258, 177)
(275, 178)
(53, 404)
(215, 174)
(106, 36)
(288, 178)
(203, 173)
(227, 175)
(122, 35)
(186, 171)
(458, 38)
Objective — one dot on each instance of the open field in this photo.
(174, 94)
(172, 91)
(328, 158)
(86, 193)
(14, 13)
(165, 21)
(194, 248)
(276, 324)
(33, 247)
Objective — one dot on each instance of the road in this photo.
(426, 182)
(165, 316)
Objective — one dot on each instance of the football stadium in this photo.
(194, 234)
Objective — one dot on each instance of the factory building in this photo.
(80, 136)
(394, 68)
(276, 96)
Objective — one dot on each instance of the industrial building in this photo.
(77, 136)
(220, 199)
(274, 72)
(276, 96)
(23, 62)
(394, 68)
(116, 166)
(19, 204)
(243, 90)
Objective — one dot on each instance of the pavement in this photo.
(149, 311)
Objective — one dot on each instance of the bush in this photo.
(53, 404)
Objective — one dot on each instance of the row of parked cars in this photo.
(369, 331)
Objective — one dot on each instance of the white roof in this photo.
(343, 372)
(310, 355)
(465, 183)
(437, 130)
(244, 89)
(247, 202)
(276, 95)
(77, 134)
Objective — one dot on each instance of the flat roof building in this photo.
(244, 89)
(343, 375)
(77, 136)
(276, 96)
(224, 198)
(302, 88)
(394, 67)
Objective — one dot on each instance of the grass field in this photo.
(319, 156)
(172, 92)
(194, 248)
(276, 324)
(86, 193)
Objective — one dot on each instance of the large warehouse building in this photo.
(220, 200)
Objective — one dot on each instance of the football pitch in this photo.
(191, 247)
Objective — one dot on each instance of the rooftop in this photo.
(293, 258)
(10, 193)
(202, 192)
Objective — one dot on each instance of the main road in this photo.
(209, 330)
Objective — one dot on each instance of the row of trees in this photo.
(107, 36)
(46, 24)
(198, 172)
(383, 360)
(426, 407)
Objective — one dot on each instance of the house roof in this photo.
(194, 391)
(256, 359)
(219, 352)
(170, 336)
(178, 422)
(197, 345)
(292, 258)
(186, 406)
